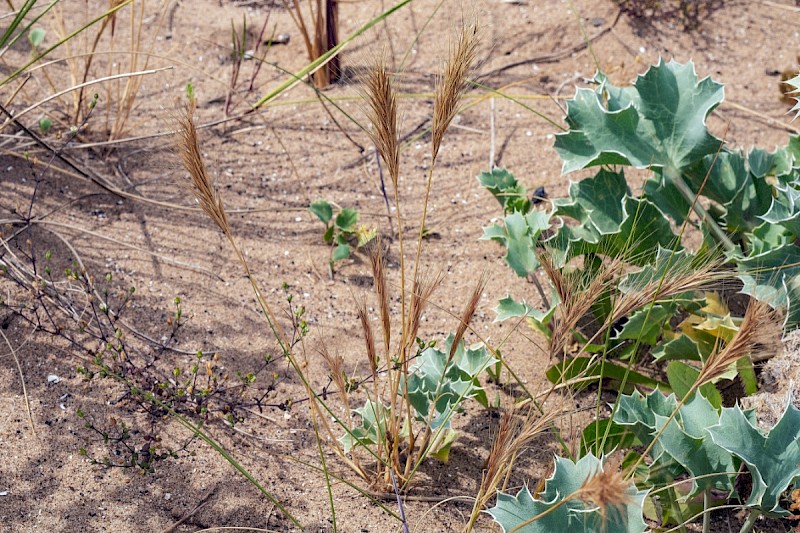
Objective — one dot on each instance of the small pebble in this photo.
(52, 378)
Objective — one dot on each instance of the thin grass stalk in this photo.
(466, 316)
(467, 313)
(211, 204)
(447, 97)
(314, 414)
(378, 263)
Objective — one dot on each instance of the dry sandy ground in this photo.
(271, 165)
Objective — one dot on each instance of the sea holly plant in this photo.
(586, 495)
(710, 445)
(342, 232)
(659, 124)
(438, 384)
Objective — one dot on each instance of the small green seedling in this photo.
(342, 232)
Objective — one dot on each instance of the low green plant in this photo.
(615, 258)
(342, 232)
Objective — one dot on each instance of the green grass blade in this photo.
(18, 18)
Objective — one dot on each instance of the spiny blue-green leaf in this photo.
(785, 209)
(686, 441)
(639, 413)
(372, 427)
(725, 178)
(573, 514)
(772, 458)
(769, 236)
(520, 235)
(610, 221)
(506, 190)
(795, 84)
(773, 277)
(438, 385)
(763, 163)
(659, 122)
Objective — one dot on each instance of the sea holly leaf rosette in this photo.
(559, 508)
(659, 123)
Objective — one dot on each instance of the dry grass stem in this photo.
(383, 115)
(452, 85)
(378, 262)
(760, 331)
(203, 187)
(467, 313)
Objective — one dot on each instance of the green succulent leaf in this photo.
(618, 438)
(559, 511)
(658, 122)
(36, 36)
(520, 235)
(647, 324)
(438, 385)
(587, 370)
(346, 219)
(681, 347)
(773, 458)
(322, 209)
(506, 190)
(682, 377)
(342, 251)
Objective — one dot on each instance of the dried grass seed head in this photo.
(378, 263)
(383, 115)
(760, 332)
(468, 312)
(202, 185)
(452, 84)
